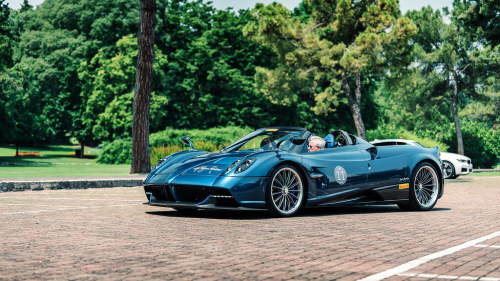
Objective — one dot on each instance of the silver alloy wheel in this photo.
(286, 190)
(447, 169)
(426, 186)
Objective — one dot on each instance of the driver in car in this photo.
(316, 143)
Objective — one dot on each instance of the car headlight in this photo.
(243, 166)
(462, 160)
(161, 161)
(233, 165)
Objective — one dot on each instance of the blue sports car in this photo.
(272, 169)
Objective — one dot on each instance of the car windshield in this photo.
(265, 139)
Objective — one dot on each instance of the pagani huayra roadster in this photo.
(272, 169)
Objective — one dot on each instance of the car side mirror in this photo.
(187, 141)
(297, 140)
(294, 140)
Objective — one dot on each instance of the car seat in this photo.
(330, 141)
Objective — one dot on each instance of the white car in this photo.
(453, 165)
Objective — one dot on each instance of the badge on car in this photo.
(340, 175)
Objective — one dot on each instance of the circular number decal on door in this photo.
(340, 175)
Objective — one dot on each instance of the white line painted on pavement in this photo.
(467, 278)
(72, 199)
(35, 205)
(452, 277)
(414, 263)
(488, 246)
(65, 209)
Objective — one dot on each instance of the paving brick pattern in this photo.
(107, 233)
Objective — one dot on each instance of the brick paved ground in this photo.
(108, 234)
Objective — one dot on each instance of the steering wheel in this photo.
(341, 141)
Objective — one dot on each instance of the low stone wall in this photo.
(23, 185)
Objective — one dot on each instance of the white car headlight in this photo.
(462, 160)
(233, 165)
(245, 165)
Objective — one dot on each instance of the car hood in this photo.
(452, 156)
(205, 167)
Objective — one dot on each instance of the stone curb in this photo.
(485, 170)
(24, 185)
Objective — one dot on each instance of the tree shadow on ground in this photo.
(37, 160)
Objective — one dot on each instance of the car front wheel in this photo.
(285, 191)
(448, 170)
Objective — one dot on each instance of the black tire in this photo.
(424, 187)
(285, 191)
(448, 170)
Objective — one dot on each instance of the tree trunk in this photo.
(17, 149)
(460, 142)
(141, 162)
(82, 149)
(355, 104)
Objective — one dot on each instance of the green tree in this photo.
(24, 119)
(342, 42)
(444, 49)
(211, 67)
(6, 36)
(25, 6)
(107, 93)
(479, 19)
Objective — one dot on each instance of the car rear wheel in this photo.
(424, 187)
(448, 170)
(285, 191)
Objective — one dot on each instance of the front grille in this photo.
(190, 193)
(159, 192)
(197, 194)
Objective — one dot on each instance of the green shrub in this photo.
(217, 136)
(159, 152)
(116, 152)
(481, 144)
(168, 141)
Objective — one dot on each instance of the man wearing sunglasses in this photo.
(316, 143)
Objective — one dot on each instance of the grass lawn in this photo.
(54, 161)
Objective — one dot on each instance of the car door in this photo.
(388, 172)
(341, 171)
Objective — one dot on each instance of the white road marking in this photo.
(414, 263)
(35, 205)
(488, 246)
(65, 209)
(452, 277)
(467, 278)
(447, 277)
(72, 199)
(423, 275)
(408, 274)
